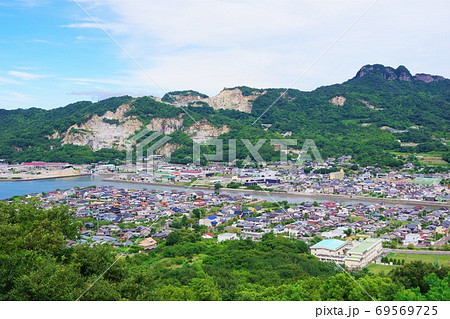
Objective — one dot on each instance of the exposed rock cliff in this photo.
(113, 129)
(166, 125)
(183, 97)
(233, 99)
(55, 135)
(98, 133)
(167, 149)
(203, 131)
(427, 78)
(370, 106)
(230, 99)
(338, 100)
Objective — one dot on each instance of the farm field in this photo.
(433, 158)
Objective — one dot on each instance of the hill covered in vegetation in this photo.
(37, 264)
(380, 113)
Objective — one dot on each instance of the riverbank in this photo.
(313, 196)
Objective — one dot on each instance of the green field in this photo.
(377, 269)
(433, 158)
(442, 259)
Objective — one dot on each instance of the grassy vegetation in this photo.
(432, 160)
(377, 269)
(442, 259)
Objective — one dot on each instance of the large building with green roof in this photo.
(363, 253)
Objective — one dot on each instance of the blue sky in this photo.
(53, 54)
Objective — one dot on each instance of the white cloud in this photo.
(24, 68)
(25, 3)
(90, 81)
(208, 45)
(82, 25)
(4, 80)
(29, 3)
(42, 41)
(15, 97)
(26, 75)
(101, 94)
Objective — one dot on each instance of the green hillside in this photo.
(386, 111)
(37, 264)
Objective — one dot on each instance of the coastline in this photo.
(318, 196)
(44, 177)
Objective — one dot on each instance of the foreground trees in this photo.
(36, 264)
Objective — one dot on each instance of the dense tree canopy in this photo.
(36, 264)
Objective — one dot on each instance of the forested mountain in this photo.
(380, 112)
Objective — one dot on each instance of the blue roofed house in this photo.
(209, 221)
(176, 210)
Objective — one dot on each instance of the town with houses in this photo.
(353, 235)
(333, 177)
(398, 209)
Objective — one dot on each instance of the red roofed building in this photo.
(45, 164)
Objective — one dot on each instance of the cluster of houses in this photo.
(398, 224)
(402, 188)
(111, 209)
(124, 217)
(311, 178)
(368, 181)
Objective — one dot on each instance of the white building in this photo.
(338, 232)
(226, 236)
(411, 239)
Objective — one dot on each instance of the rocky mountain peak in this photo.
(387, 72)
(401, 73)
(183, 97)
(237, 98)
